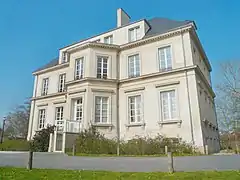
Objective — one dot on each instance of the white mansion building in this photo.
(141, 78)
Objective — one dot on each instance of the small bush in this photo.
(40, 140)
(14, 145)
(90, 141)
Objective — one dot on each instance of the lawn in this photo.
(43, 174)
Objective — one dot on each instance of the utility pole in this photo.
(2, 135)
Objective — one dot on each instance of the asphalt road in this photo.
(123, 164)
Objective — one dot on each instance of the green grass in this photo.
(44, 174)
(14, 145)
(115, 155)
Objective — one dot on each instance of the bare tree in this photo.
(228, 97)
(17, 121)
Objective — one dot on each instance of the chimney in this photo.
(122, 17)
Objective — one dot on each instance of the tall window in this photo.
(165, 58)
(108, 40)
(61, 84)
(59, 118)
(45, 86)
(134, 109)
(102, 66)
(133, 66)
(79, 68)
(41, 118)
(168, 105)
(134, 34)
(78, 109)
(101, 109)
(64, 57)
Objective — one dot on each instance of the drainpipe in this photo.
(33, 108)
(188, 94)
(117, 102)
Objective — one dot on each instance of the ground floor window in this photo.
(101, 109)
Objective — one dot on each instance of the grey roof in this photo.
(157, 26)
(163, 25)
(52, 63)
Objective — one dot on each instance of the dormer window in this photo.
(134, 34)
(108, 40)
(64, 57)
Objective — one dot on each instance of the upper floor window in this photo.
(165, 58)
(45, 86)
(135, 109)
(101, 109)
(78, 109)
(61, 84)
(108, 40)
(64, 57)
(134, 34)
(168, 105)
(41, 118)
(79, 68)
(59, 118)
(102, 67)
(133, 66)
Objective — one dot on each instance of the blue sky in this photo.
(31, 32)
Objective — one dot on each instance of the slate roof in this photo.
(163, 25)
(157, 26)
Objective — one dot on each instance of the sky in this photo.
(31, 33)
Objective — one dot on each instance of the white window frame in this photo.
(78, 107)
(169, 107)
(61, 82)
(108, 39)
(166, 61)
(136, 115)
(136, 34)
(102, 75)
(101, 109)
(64, 57)
(79, 68)
(41, 118)
(135, 73)
(59, 117)
(45, 84)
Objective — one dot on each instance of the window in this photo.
(79, 68)
(133, 66)
(168, 105)
(59, 118)
(134, 34)
(78, 109)
(102, 66)
(45, 86)
(101, 109)
(41, 118)
(134, 109)
(61, 84)
(165, 58)
(108, 39)
(64, 57)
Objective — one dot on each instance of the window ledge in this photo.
(107, 125)
(178, 122)
(135, 125)
(103, 125)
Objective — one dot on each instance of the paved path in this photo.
(123, 164)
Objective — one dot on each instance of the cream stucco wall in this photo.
(184, 78)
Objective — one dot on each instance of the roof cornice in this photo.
(154, 38)
(93, 44)
(59, 66)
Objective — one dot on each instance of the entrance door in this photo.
(59, 142)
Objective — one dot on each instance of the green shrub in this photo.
(90, 141)
(14, 145)
(40, 140)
